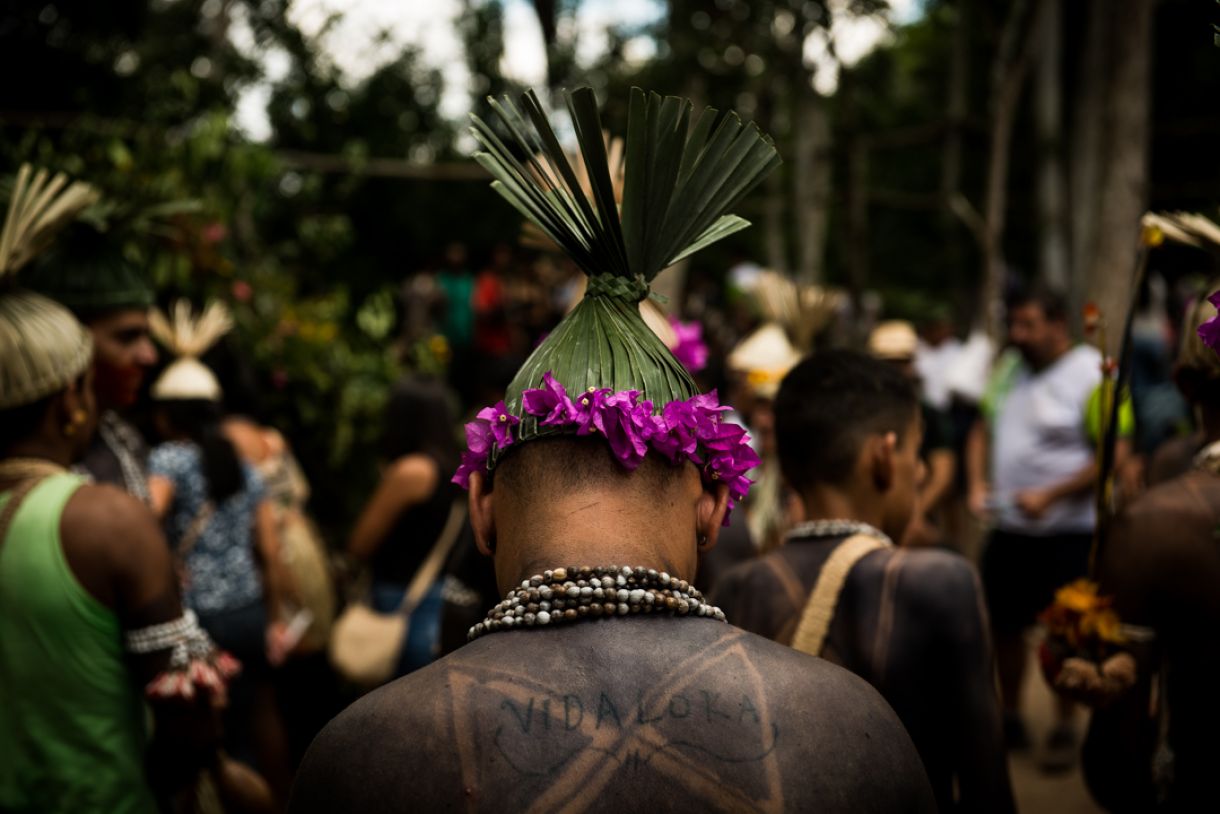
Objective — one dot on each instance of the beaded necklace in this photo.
(1208, 458)
(837, 528)
(566, 595)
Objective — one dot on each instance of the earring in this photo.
(702, 540)
(79, 417)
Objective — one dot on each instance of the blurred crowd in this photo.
(1009, 447)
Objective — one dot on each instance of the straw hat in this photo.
(188, 338)
(894, 340)
(764, 358)
(43, 348)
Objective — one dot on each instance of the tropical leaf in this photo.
(678, 183)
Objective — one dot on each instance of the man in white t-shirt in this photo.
(1040, 421)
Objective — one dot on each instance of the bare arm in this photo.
(267, 538)
(1122, 735)
(116, 548)
(161, 492)
(976, 466)
(942, 464)
(976, 741)
(408, 481)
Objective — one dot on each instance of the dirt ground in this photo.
(1039, 793)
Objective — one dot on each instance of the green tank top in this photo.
(71, 722)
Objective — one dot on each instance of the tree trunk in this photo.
(959, 70)
(958, 97)
(811, 180)
(1087, 148)
(1124, 179)
(1008, 78)
(1053, 258)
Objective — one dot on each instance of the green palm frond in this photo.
(679, 181)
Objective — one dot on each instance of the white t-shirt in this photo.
(933, 364)
(1039, 439)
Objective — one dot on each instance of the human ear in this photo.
(482, 502)
(710, 514)
(882, 456)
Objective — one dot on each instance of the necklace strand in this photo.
(565, 595)
(837, 528)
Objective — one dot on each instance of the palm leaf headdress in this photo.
(678, 184)
(188, 338)
(42, 346)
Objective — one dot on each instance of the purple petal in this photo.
(1209, 331)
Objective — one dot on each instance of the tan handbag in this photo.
(303, 555)
(365, 644)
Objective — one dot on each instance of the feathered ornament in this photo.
(188, 338)
(43, 347)
(804, 311)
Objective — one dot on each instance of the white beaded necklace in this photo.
(566, 595)
(837, 528)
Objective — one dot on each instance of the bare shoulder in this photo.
(938, 582)
(417, 473)
(105, 513)
(606, 715)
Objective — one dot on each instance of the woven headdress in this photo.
(43, 347)
(602, 370)
(188, 338)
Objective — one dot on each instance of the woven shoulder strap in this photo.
(819, 610)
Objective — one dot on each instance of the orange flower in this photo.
(1080, 596)
(1091, 318)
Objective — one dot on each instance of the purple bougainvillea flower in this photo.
(479, 438)
(627, 425)
(725, 437)
(550, 401)
(691, 430)
(690, 350)
(730, 468)
(501, 422)
(471, 462)
(588, 407)
(1209, 331)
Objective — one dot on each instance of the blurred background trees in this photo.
(977, 144)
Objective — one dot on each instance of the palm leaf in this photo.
(677, 188)
(38, 208)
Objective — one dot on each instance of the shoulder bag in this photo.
(365, 644)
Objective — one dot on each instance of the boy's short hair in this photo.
(828, 405)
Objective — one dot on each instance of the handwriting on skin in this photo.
(539, 735)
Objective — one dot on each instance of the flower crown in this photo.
(690, 430)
